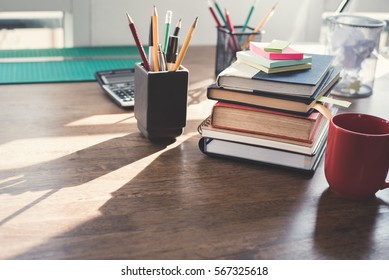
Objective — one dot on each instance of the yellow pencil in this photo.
(185, 46)
(259, 26)
(155, 40)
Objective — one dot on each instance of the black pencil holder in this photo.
(229, 43)
(161, 102)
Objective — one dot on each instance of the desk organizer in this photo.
(161, 102)
(225, 47)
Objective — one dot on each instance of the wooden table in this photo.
(78, 181)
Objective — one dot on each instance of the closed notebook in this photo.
(259, 154)
(265, 122)
(241, 76)
(296, 104)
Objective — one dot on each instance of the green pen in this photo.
(168, 21)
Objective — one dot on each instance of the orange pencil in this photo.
(155, 40)
(185, 46)
(259, 26)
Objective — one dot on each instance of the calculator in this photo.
(118, 85)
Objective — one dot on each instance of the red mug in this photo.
(357, 155)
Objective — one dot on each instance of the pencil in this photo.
(259, 26)
(177, 29)
(249, 16)
(185, 46)
(168, 21)
(218, 24)
(138, 43)
(232, 30)
(220, 12)
(155, 40)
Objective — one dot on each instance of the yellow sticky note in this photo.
(277, 46)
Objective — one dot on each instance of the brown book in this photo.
(207, 130)
(266, 122)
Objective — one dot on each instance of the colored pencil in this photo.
(218, 24)
(249, 16)
(259, 26)
(138, 43)
(220, 12)
(232, 31)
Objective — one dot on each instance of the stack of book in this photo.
(270, 117)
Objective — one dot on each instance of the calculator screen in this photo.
(114, 79)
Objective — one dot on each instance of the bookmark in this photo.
(323, 110)
(342, 103)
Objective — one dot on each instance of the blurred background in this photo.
(68, 23)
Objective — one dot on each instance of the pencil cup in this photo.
(229, 43)
(160, 102)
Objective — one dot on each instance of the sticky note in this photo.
(277, 46)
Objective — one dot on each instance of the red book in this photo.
(286, 54)
(267, 122)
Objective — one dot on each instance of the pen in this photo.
(138, 43)
(171, 53)
(185, 46)
(177, 29)
(155, 40)
(232, 30)
(218, 24)
(249, 15)
(220, 12)
(168, 21)
(150, 51)
(161, 59)
(259, 26)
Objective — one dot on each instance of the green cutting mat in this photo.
(76, 64)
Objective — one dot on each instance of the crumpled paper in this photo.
(351, 46)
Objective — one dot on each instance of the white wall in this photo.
(103, 22)
(289, 21)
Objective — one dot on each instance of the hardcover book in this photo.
(241, 76)
(266, 122)
(296, 104)
(207, 130)
(258, 154)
